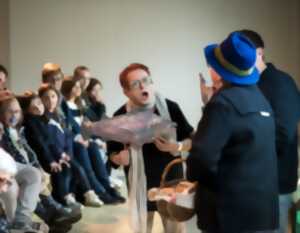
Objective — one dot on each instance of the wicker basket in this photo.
(171, 210)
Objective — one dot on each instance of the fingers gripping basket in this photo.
(174, 209)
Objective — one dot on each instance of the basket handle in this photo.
(168, 168)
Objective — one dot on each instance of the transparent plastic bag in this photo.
(134, 128)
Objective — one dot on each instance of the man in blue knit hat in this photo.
(233, 153)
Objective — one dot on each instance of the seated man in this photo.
(23, 196)
(8, 170)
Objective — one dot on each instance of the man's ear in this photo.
(260, 53)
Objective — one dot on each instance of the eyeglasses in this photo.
(146, 81)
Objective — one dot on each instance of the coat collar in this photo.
(246, 99)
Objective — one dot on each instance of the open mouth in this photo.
(145, 94)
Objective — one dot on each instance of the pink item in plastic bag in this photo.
(134, 128)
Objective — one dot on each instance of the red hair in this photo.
(132, 67)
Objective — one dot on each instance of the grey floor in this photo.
(114, 219)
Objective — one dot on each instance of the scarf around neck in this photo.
(137, 177)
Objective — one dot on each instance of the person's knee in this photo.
(33, 175)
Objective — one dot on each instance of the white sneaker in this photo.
(71, 201)
(115, 182)
(91, 199)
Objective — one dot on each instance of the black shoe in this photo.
(116, 195)
(49, 202)
(75, 209)
(66, 216)
(107, 199)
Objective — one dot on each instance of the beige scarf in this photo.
(137, 178)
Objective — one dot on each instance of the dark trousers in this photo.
(99, 166)
(61, 183)
(85, 156)
(80, 179)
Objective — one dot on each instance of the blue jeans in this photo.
(88, 159)
(99, 166)
(80, 181)
(61, 182)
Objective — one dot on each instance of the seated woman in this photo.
(86, 151)
(61, 147)
(96, 111)
(36, 133)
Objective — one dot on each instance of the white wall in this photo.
(4, 33)
(167, 35)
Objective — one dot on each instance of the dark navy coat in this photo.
(37, 135)
(233, 158)
(62, 137)
(283, 95)
(46, 139)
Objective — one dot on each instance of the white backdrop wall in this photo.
(167, 35)
(4, 33)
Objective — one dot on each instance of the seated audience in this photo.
(86, 151)
(14, 142)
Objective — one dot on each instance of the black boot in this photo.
(49, 202)
(107, 198)
(43, 213)
(57, 214)
(115, 194)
